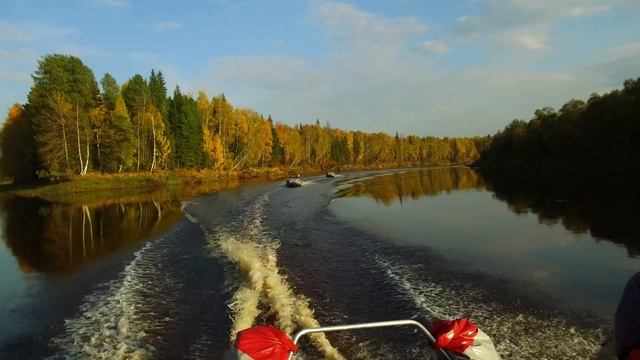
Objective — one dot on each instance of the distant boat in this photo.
(331, 174)
(294, 182)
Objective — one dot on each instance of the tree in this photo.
(18, 159)
(222, 117)
(208, 143)
(99, 118)
(185, 128)
(63, 93)
(277, 152)
(118, 140)
(137, 97)
(159, 143)
(110, 91)
(158, 92)
(606, 127)
(53, 133)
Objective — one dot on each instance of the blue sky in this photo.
(444, 68)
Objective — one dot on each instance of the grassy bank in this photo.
(96, 185)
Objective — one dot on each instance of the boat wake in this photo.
(261, 292)
(516, 334)
(119, 319)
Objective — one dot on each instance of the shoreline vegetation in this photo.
(98, 187)
(583, 147)
(75, 134)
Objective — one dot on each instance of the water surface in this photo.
(174, 274)
(544, 244)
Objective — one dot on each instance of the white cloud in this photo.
(586, 10)
(112, 3)
(15, 76)
(166, 25)
(30, 32)
(20, 55)
(624, 50)
(348, 25)
(438, 47)
(523, 24)
(531, 42)
(83, 51)
(352, 23)
(373, 78)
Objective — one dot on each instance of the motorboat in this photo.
(294, 182)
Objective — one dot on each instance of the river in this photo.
(173, 274)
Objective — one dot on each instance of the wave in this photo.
(515, 334)
(262, 291)
(118, 320)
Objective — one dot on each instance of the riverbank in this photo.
(97, 186)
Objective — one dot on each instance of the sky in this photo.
(424, 67)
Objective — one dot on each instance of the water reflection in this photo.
(53, 237)
(604, 214)
(387, 189)
(60, 235)
(563, 243)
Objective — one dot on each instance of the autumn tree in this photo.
(158, 142)
(19, 159)
(118, 140)
(222, 118)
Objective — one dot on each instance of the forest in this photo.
(72, 125)
(604, 127)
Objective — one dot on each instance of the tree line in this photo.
(605, 125)
(71, 125)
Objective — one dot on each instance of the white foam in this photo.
(516, 335)
(263, 290)
(115, 321)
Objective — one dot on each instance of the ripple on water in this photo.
(260, 291)
(516, 334)
(120, 319)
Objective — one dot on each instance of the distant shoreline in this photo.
(96, 185)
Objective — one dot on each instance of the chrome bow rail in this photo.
(371, 325)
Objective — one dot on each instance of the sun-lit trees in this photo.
(63, 94)
(70, 127)
(18, 160)
(110, 90)
(185, 131)
(118, 140)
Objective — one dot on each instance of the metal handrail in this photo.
(378, 324)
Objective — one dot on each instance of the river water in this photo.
(175, 274)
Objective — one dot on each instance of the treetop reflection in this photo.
(390, 188)
(605, 214)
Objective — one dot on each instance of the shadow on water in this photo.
(608, 214)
